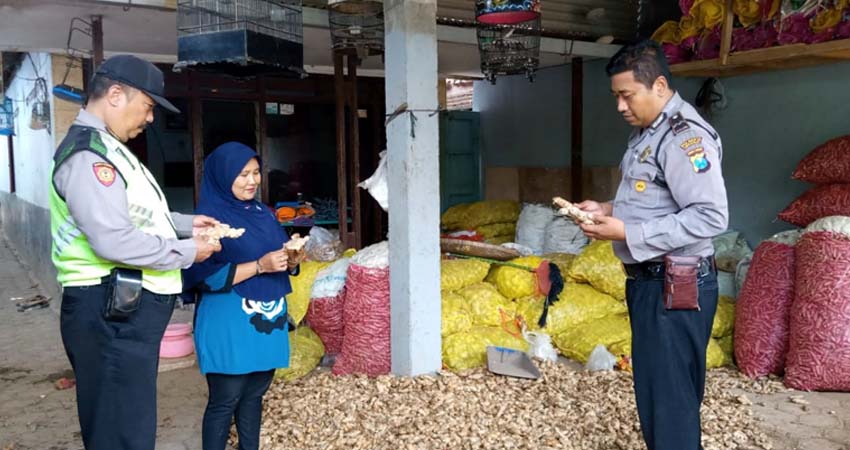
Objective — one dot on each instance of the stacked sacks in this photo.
(819, 343)
(591, 310)
(366, 314)
(828, 166)
(474, 315)
(493, 219)
(764, 306)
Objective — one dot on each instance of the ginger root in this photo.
(571, 211)
(216, 233)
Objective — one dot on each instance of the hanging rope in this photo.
(402, 109)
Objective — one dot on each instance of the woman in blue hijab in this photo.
(241, 327)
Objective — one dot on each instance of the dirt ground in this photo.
(34, 415)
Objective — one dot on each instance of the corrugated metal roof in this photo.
(562, 18)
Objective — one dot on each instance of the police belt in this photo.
(655, 269)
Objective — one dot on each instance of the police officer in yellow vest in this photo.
(108, 212)
(670, 204)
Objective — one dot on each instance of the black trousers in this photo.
(235, 395)
(115, 365)
(668, 358)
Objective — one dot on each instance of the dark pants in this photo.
(668, 357)
(115, 365)
(235, 395)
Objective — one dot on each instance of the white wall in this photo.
(4, 164)
(33, 148)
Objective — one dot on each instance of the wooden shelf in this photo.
(774, 58)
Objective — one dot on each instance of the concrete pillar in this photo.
(414, 188)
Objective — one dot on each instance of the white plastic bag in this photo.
(600, 359)
(531, 226)
(330, 280)
(377, 183)
(540, 345)
(563, 236)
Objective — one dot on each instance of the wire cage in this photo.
(508, 37)
(241, 37)
(357, 26)
(7, 117)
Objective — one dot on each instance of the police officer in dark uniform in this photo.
(670, 203)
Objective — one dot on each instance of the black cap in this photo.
(138, 73)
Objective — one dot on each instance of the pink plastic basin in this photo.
(177, 341)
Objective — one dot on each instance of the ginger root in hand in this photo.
(572, 211)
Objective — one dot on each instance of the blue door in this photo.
(461, 176)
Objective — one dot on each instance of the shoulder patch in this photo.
(678, 124)
(104, 173)
(699, 160)
(690, 142)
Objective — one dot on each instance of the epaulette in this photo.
(678, 124)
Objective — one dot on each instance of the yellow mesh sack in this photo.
(622, 348)
(473, 215)
(748, 11)
(305, 353)
(516, 283)
(499, 240)
(497, 229)
(667, 33)
(563, 260)
(298, 300)
(486, 305)
(454, 217)
(459, 273)
(724, 319)
(468, 350)
(714, 355)
(456, 317)
(708, 13)
(529, 309)
(727, 344)
(599, 266)
(577, 342)
(578, 304)
(826, 19)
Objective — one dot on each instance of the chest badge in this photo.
(645, 154)
(640, 186)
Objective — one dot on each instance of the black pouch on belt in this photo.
(680, 282)
(124, 293)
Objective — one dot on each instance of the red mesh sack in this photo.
(819, 350)
(762, 311)
(828, 163)
(325, 317)
(818, 202)
(366, 341)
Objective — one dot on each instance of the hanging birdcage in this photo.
(508, 37)
(357, 26)
(7, 117)
(241, 37)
